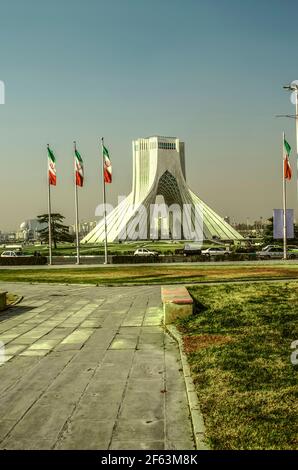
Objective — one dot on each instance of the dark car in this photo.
(192, 249)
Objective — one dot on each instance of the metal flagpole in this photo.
(49, 214)
(284, 199)
(76, 207)
(104, 203)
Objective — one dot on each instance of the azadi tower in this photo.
(158, 170)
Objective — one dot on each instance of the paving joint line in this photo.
(129, 372)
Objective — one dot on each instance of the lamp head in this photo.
(292, 86)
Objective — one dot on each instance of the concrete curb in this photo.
(193, 402)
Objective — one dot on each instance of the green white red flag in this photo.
(107, 166)
(52, 168)
(79, 169)
(287, 166)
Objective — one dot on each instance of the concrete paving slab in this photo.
(149, 429)
(42, 421)
(98, 407)
(22, 443)
(133, 405)
(35, 352)
(137, 445)
(84, 434)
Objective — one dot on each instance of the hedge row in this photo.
(125, 259)
(23, 261)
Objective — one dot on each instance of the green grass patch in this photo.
(150, 274)
(238, 346)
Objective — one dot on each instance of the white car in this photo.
(10, 254)
(145, 252)
(269, 246)
(215, 251)
(276, 252)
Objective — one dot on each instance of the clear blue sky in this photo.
(207, 71)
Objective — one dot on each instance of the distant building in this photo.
(30, 229)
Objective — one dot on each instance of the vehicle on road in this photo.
(276, 252)
(265, 248)
(192, 249)
(145, 252)
(10, 254)
(215, 251)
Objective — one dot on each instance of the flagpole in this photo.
(49, 216)
(104, 204)
(76, 208)
(284, 200)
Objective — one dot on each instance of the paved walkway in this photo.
(90, 368)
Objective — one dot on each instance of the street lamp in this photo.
(293, 88)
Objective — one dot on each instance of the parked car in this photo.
(265, 248)
(145, 252)
(10, 254)
(215, 251)
(276, 252)
(192, 249)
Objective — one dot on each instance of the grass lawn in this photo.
(153, 274)
(238, 346)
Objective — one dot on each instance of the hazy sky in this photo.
(207, 71)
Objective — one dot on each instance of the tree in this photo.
(268, 234)
(60, 232)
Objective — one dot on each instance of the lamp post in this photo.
(293, 88)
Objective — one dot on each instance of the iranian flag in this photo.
(287, 167)
(52, 167)
(79, 168)
(107, 166)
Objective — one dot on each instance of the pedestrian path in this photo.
(90, 368)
